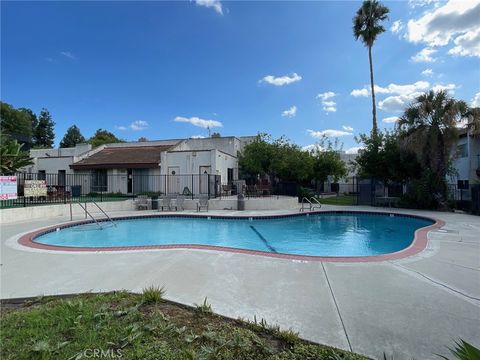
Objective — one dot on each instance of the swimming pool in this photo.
(320, 234)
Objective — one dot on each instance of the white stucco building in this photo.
(466, 162)
(55, 161)
(167, 166)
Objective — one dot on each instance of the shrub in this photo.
(153, 294)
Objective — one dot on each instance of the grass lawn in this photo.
(143, 326)
(339, 200)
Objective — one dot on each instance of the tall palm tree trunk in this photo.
(374, 108)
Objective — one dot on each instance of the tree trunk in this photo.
(374, 108)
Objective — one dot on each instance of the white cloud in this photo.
(281, 80)
(402, 89)
(68, 54)
(326, 95)
(390, 120)
(328, 133)
(403, 95)
(138, 125)
(312, 147)
(467, 44)
(290, 112)
(354, 150)
(449, 88)
(359, 92)
(476, 100)
(455, 21)
(397, 103)
(427, 72)
(424, 55)
(327, 104)
(196, 121)
(421, 3)
(396, 27)
(347, 128)
(135, 126)
(215, 4)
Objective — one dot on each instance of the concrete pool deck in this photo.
(411, 307)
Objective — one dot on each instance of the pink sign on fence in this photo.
(8, 187)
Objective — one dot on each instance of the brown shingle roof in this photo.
(123, 157)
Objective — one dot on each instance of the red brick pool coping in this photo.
(418, 244)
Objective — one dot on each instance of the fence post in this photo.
(192, 187)
(24, 199)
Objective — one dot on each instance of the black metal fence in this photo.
(465, 197)
(99, 186)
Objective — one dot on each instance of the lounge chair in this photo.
(179, 202)
(141, 202)
(202, 203)
(165, 203)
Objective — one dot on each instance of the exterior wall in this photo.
(53, 160)
(186, 162)
(230, 145)
(190, 162)
(466, 166)
(223, 162)
(14, 215)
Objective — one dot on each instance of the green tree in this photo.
(12, 157)
(44, 134)
(473, 121)
(255, 159)
(384, 158)
(327, 162)
(429, 127)
(16, 122)
(289, 162)
(72, 137)
(366, 27)
(32, 116)
(102, 137)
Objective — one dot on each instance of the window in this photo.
(99, 180)
(462, 151)
(42, 175)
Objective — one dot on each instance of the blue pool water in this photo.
(319, 235)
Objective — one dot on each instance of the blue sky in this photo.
(169, 69)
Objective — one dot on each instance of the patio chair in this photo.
(179, 202)
(226, 190)
(202, 203)
(165, 203)
(141, 202)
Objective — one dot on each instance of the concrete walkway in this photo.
(413, 307)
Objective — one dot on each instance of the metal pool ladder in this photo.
(91, 216)
(312, 204)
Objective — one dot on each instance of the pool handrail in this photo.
(312, 204)
(104, 213)
(315, 203)
(88, 213)
(303, 204)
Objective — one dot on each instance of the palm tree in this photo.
(429, 127)
(473, 121)
(366, 26)
(12, 157)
